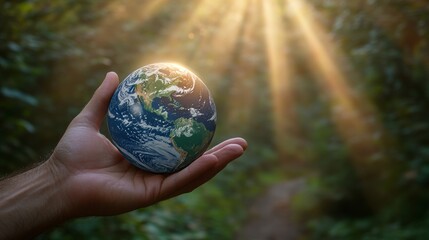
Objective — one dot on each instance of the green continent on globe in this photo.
(157, 86)
(188, 136)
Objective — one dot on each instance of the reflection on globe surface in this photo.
(161, 117)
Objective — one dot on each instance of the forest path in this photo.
(270, 215)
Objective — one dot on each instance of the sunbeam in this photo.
(222, 45)
(241, 96)
(119, 17)
(279, 73)
(180, 35)
(350, 112)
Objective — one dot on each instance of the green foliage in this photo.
(54, 53)
(387, 43)
(36, 35)
(328, 228)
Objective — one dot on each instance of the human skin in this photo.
(87, 176)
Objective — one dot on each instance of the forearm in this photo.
(30, 203)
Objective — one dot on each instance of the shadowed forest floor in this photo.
(270, 215)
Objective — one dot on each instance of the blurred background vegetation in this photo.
(332, 92)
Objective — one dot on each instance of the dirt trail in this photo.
(270, 215)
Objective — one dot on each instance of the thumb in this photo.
(95, 110)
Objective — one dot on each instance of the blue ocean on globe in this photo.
(161, 118)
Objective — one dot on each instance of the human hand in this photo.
(97, 180)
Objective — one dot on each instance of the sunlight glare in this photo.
(222, 45)
(180, 34)
(279, 73)
(118, 19)
(241, 97)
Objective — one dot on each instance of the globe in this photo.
(161, 117)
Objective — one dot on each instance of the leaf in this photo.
(26, 125)
(16, 94)
(14, 47)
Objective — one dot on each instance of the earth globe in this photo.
(161, 117)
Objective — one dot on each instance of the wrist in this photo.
(75, 197)
(59, 177)
(31, 203)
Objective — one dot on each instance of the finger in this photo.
(200, 171)
(239, 141)
(228, 153)
(173, 184)
(225, 156)
(95, 111)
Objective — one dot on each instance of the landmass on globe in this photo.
(161, 117)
